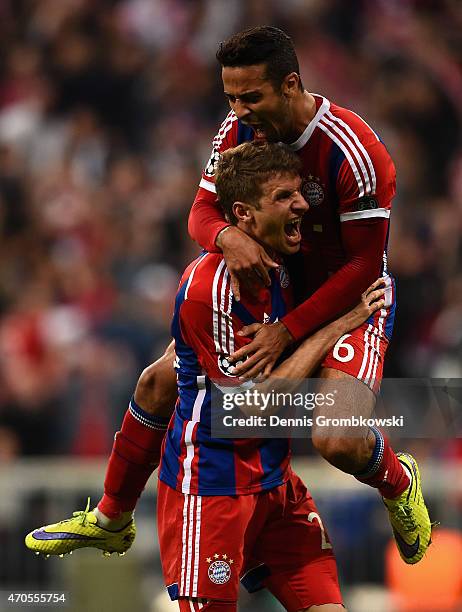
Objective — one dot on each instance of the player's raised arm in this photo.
(364, 224)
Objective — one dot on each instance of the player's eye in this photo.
(252, 99)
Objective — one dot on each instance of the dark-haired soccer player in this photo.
(349, 182)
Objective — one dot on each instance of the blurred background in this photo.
(107, 112)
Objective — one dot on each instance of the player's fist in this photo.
(247, 262)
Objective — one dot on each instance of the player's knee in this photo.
(156, 389)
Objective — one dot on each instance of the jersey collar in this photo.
(306, 135)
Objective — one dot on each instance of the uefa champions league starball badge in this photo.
(226, 367)
(211, 165)
(219, 570)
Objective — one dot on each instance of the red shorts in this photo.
(273, 539)
(361, 352)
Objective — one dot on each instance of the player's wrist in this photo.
(285, 334)
(221, 236)
(347, 322)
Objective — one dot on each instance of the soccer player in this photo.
(349, 182)
(233, 509)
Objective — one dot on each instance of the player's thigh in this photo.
(306, 573)
(156, 390)
(202, 557)
(361, 353)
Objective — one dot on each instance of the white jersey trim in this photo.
(363, 180)
(197, 546)
(227, 124)
(191, 276)
(306, 135)
(190, 544)
(195, 418)
(190, 557)
(365, 214)
(216, 312)
(205, 184)
(343, 146)
(183, 542)
(358, 148)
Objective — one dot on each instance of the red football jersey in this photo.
(205, 325)
(349, 183)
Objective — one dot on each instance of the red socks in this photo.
(384, 471)
(135, 455)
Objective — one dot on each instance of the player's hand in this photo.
(247, 262)
(371, 301)
(263, 351)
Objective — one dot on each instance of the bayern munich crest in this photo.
(312, 191)
(219, 570)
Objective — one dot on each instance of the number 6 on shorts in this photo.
(341, 344)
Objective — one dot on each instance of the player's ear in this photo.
(291, 85)
(243, 212)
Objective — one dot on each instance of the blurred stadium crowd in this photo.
(107, 111)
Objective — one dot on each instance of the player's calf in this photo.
(137, 446)
(347, 453)
(156, 389)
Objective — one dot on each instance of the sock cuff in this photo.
(377, 456)
(145, 418)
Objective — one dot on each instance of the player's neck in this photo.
(304, 112)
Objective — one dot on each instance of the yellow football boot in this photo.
(80, 531)
(408, 515)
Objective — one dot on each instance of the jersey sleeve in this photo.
(364, 242)
(211, 331)
(366, 182)
(206, 219)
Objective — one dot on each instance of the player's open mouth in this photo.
(259, 131)
(258, 128)
(292, 231)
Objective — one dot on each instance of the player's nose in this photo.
(241, 110)
(299, 204)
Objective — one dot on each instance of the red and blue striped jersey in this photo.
(205, 325)
(349, 182)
